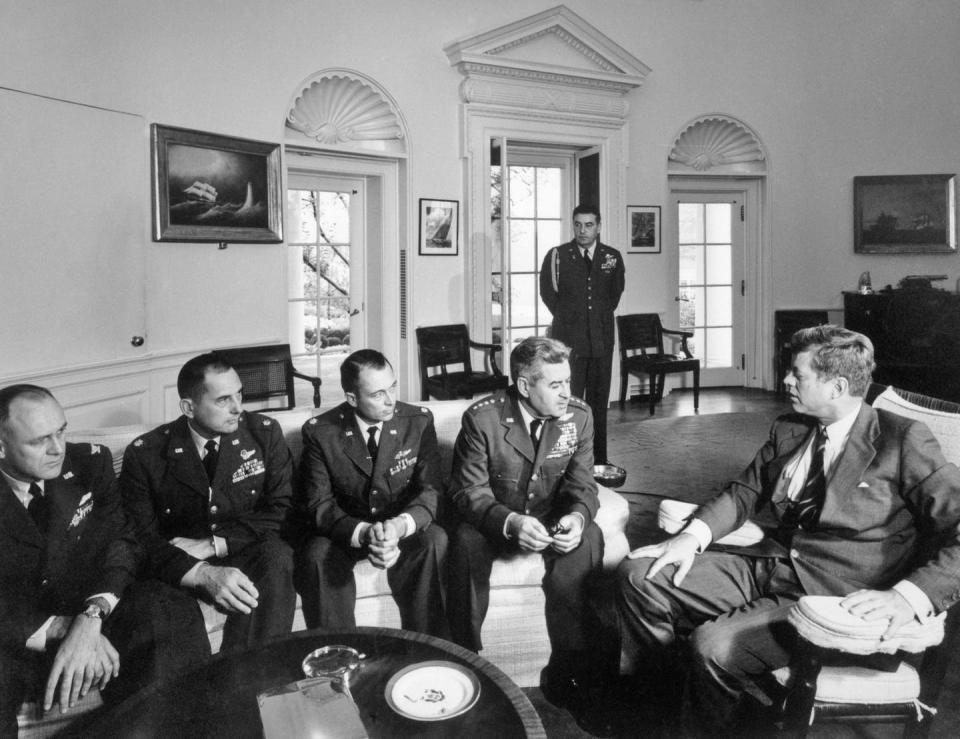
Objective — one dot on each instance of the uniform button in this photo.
(167, 511)
(373, 509)
(213, 509)
(794, 553)
(45, 581)
(527, 511)
(530, 496)
(374, 492)
(213, 527)
(534, 478)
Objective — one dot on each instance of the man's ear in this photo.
(841, 387)
(523, 386)
(186, 407)
(351, 398)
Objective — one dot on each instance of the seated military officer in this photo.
(369, 488)
(208, 494)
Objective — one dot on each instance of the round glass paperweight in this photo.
(335, 661)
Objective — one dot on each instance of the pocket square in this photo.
(863, 484)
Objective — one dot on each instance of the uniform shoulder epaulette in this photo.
(577, 403)
(491, 401)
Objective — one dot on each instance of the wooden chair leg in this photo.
(653, 392)
(623, 386)
(696, 388)
(799, 705)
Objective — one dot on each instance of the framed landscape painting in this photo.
(208, 187)
(439, 227)
(904, 214)
(643, 225)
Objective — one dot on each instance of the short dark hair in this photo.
(837, 352)
(22, 390)
(353, 365)
(533, 352)
(192, 374)
(586, 209)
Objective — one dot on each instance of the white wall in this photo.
(834, 88)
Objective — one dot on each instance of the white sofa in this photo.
(514, 633)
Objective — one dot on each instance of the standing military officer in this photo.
(369, 487)
(522, 480)
(581, 283)
(209, 494)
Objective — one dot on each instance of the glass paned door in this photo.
(710, 285)
(324, 268)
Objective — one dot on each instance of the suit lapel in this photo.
(388, 445)
(517, 435)
(857, 455)
(14, 519)
(183, 460)
(353, 445)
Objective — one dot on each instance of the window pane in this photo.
(548, 192)
(522, 247)
(718, 223)
(690, 223)
(719, 343)
(522, 201)
(719, 306)
(719, 266)
(301, 221)
(548, 236)
(691, 307)
(523, 297)
(696, 343)
(691, 264)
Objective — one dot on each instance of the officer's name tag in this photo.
(402, 465)
(250, 468)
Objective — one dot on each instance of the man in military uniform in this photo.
(522, 481)
(369, 488)
(71, 615)
(581, 283)
(209, 494)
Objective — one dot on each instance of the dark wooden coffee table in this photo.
(220, 698)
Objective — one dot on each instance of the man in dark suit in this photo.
(71, 615)
(522, 480)
(856, 502)
(209, 494)
(369, 488)
(581, 283)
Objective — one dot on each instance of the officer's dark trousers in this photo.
(590, 380)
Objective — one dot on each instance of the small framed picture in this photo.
(643, 225)
(439, 227)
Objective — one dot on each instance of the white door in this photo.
(325, 277)
(711, 283)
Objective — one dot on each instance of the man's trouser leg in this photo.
(418, 582)
(471, 558)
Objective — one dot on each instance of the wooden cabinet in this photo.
(916, 337)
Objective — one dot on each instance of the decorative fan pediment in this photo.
(556, 50)
(343, 109)
(717, 144)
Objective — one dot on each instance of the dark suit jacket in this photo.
(582, 308)
(167, 494)
(496, 472)
(339, 488)
(891, 512)
(89, 549)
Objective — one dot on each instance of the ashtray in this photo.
(609, 475)
(335, 661)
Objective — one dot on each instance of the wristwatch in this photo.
(96, 608)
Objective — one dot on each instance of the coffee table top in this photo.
(220, 698)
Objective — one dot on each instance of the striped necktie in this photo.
(804, 511)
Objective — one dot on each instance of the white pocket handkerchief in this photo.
(863, 484)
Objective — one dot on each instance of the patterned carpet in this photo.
(687, 457)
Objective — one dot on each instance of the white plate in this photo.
(432, 691)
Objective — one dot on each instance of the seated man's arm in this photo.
(470, 490)
(426, 483)
(578, 490)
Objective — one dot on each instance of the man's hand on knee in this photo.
(228, 587)
(679, 550)
(85, 657)
(529, 532)
(567, 533)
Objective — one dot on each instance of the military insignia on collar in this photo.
(266, 421)
(348, 433)
(245, 454)
(178, 450)
(94, 448)
(138, 442)
(235, 442)
(423, 410)
(67, 475)
(393, 432)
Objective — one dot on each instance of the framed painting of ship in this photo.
(208, 187)
(439, 227)
(905, 214)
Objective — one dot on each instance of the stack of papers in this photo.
(310, 708)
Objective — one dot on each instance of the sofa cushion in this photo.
(862, 685)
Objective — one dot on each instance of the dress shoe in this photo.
(581, 700)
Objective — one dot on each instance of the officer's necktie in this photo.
(372, 443)
(535, 425)
(804, 511)
(210, 459)
(39, 508)
(587, 260)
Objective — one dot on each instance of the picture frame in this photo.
(208, 187)
(643, 229)
(439, 227)
(905, 214)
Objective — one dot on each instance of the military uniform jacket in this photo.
(90, 548)
(339, 487)
(167, 494)
(582, 302)
(891, 510)
(496, 472)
